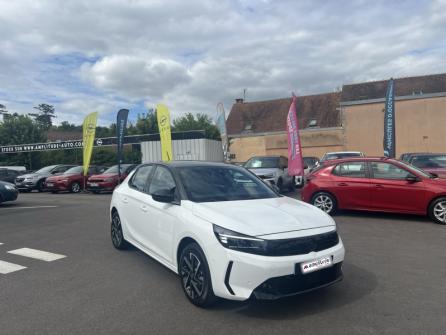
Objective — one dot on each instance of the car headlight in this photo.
(239, 242)
(10, 187)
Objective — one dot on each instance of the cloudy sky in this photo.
(103, 55)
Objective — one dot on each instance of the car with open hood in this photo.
(225, 232)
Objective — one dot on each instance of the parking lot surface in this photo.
(59, 274)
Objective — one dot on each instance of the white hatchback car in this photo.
(225, 232)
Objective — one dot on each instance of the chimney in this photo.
(239, 101)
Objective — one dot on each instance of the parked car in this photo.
(432, 163)
(272, 169)
(8, 192)
(340, 154)
(36, 180)
(8, 175)
(406, 156)
(109, 179)
(376, 184)
(72, 180)
(225, 232)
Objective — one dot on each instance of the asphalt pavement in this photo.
(394, 279)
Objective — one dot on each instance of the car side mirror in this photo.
(164, 195)
(413, 179)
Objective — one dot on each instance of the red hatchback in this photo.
(109, 179)
(376, 184)
(71, 180)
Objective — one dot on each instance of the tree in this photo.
(3, 110)
(45, 116)
(197, 122)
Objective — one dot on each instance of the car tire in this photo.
(41, 185)
(75, 187)
(292, 186)
(116, 234)
(195, 276)
(437, 210)
(54, 192)
(325, 202)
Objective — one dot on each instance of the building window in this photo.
(312, 123)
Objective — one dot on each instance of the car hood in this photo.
(263, 216)
(33, 175)
(261, 172)
(104, 176)
(441, 172)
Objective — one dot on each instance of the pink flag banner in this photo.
(295, 161)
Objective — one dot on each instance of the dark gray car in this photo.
(36, 180)
(8, 192)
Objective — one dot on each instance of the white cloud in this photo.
(194, 54)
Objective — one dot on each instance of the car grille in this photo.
(302, 245)
(278, 287)
(20, 179)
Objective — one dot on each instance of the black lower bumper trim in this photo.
(227, 275)
(279, 287)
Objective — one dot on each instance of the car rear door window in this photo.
(162, 179)
(383, 170)
(141, 177)
(351, 170)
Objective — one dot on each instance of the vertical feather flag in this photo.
(295, 161)
(89, 131)
(121, 125)
(163, 117)
(389, 121)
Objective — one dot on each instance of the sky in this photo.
(103, 55)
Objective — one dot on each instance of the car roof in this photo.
(359, 159)
(343, 152)
(177, 164)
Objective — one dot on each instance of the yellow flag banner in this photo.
(163, 117)
(89, 131)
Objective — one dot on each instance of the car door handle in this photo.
(125, 200)
(379, 185)
(144, 208)
(342, 184)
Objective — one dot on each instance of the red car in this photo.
(109, 179)
(432, 163)
(376, 184)
(71, 180)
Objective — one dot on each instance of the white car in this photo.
(225, 232)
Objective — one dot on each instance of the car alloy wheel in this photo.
(324, 202)
(195, 276)
(75, 187)
(116, 232)
(438, 211)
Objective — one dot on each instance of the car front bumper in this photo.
(100, 186)
(8, 195)
(26, 185)
(238, 276)
(56, 186)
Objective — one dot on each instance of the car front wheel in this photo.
(117, 236)
(437, 210)
(195, 276)
(75, 187)
(325, 202)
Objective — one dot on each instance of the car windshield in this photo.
(340, 155)
(416, 170)
(73, 170)
(46, 169)
(210, 184)
(429, 162)
(262, 163)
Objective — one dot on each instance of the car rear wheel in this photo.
(117, 236)
(75, 187)
(325, 202)
(41, 185)
(195, 276)
(437, 210)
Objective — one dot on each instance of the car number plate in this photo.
(316, 264)
(94, 184)
(49, 184)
